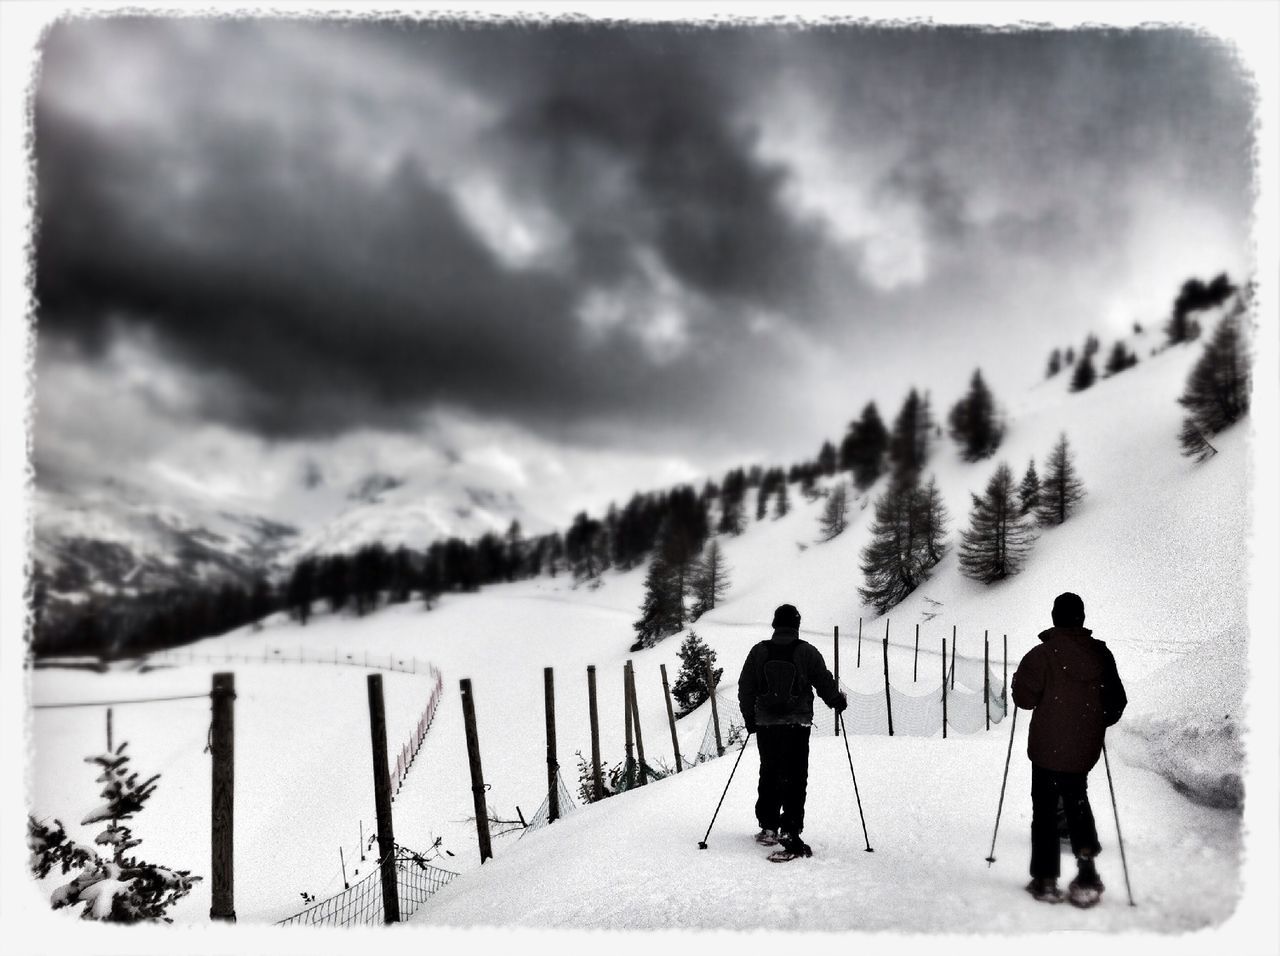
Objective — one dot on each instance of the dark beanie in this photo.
(786, 616)
(1068, 610)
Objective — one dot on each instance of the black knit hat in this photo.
(1068, 610)
(786, 616)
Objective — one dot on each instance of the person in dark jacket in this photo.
(775, 694)
(1071, 684)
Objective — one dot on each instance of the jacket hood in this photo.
(1072, 651)
(785, 635)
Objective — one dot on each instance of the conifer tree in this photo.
(835, 514)
(995, 545)
(906, 542)
(864, 447)
(1029, 490)
(1084, 374)
(116, 888)
(931, 518)
(710, 581)
(782, 504)
(662, 612)
(762, 501)
(1060, 489)
(732, 491)
(1119, 360)
(1055, 363)
(827, 458)
(909, 440)
(302, 589)
(1070, 356)
(1217, 391)
(690, 690)
(1195, 296)
(973, 421)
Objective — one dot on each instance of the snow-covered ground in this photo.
(1159, 551)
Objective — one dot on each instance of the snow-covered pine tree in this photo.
(117, 888)
(690, 689)
(762, 501)
(1217, 391)
(996, 543)
(835, 514)
(1060, 489)
(973, 423)
(710, 581)
(1084, 375)
(1029, 490)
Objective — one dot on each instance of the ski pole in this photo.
(702, 844)
(844, 733)
(1119, 839)
(991, 858)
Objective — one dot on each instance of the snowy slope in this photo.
(1158, 550)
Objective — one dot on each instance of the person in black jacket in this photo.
(1071, 683)
(775, 694)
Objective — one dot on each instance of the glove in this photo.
(751, 727)
(841, 703)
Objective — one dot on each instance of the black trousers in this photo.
(1046, 787)
(784, 777)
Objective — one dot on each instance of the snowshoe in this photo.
(1045, 890)
(767, 837)
(790, 847)
(1085, 894)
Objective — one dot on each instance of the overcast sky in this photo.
(617, 256)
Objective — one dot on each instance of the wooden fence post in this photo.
(954, 642)
(597, 782)
(635, 720)
(859, 662)
(110, 744)
(944, 688)
(888, 705)
(835, 717)
(629, 767)
(715, 710)
(915, 667)
(986, 680)
(382, 799)
(222, 744)
(477, 775)
(553, 790)
(671, 718)
(1004, 685)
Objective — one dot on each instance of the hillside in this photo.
(1158, 551)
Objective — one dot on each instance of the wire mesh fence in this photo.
(409, 750)
(542, 816)
(362, 904)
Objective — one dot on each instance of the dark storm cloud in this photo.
(284, 204)
(327, 300)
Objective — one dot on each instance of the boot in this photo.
(1086, 889)
(767, 837)
(1045, 889)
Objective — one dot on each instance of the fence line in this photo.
(416, 882)
(391, 662)
(118, 703)
(409, 752)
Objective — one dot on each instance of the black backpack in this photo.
(781, 679)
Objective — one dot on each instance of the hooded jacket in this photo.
(1071, 683)
(811, 675)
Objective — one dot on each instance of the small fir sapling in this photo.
(117, 887)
